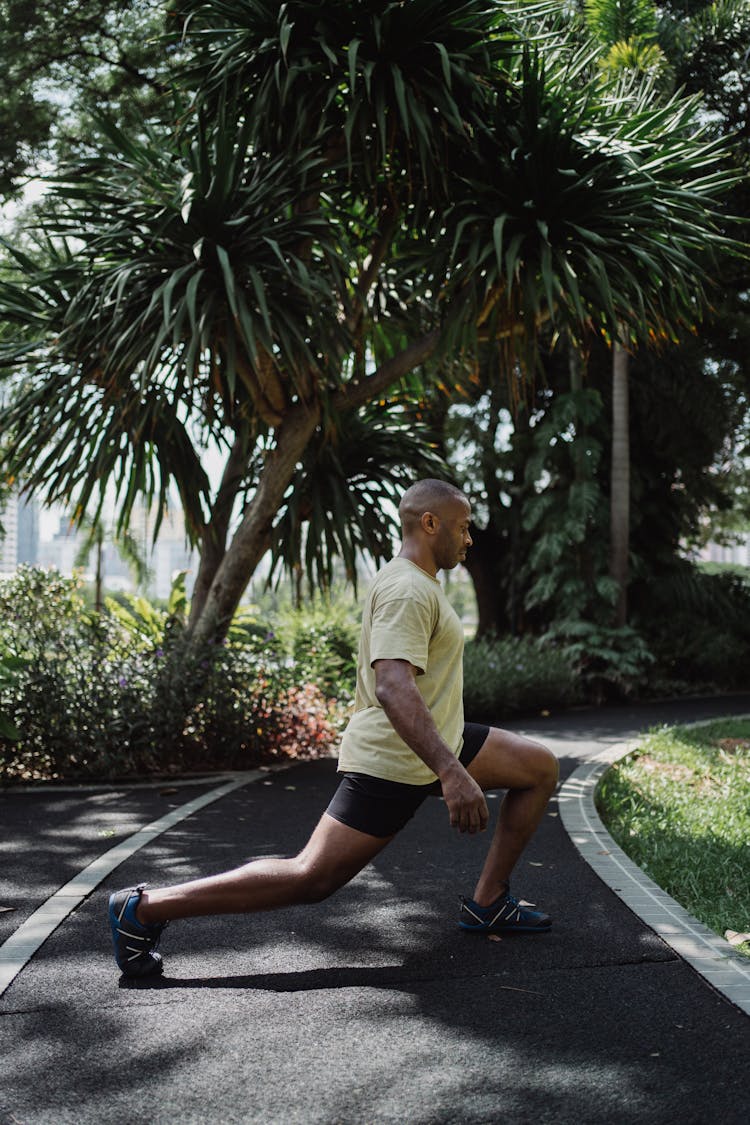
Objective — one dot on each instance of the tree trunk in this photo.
(481, 564)
(99, 577)
(224, 574)
(214, 540)
(521, 442)
(586, 568)
(620, 481)
(252, 537)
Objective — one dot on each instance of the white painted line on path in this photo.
(23, 943)
(711, 956)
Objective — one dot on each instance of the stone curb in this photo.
(711, 956)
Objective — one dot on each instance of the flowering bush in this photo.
(102, 695)
(300, 724)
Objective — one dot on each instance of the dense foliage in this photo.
(350, 205)
(296, 234)
(66, 59)
(97, 695)
(540, 486)
(512, 674)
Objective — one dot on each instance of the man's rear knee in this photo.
(314, 885)
(318, 891)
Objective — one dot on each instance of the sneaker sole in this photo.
(154, 970)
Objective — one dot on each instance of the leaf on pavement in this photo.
(735, 938)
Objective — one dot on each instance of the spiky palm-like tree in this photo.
(357, 192)
(626, 30)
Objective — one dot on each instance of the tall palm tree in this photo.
(626, 29)
(357, 195)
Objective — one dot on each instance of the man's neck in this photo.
(421, 559)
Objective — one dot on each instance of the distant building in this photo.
(28, 531)
(170, 554)
(9, 540)
(738, 554)
(25, 542)
(61, 550)
(20, 542)
(165, 558)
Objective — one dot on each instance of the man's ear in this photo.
(429, 523)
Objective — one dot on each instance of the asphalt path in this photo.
(372, 1007)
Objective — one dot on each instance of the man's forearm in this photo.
(400, 698)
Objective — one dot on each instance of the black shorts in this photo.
(382, 808)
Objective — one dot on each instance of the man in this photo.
(405, 739)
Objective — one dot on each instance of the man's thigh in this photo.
(511, 761)
(335, 853)
(374, 805)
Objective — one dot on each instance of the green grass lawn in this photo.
(680, 807)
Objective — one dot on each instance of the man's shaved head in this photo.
(426, 496)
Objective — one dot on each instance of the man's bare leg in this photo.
(333, 855)
(529, 772)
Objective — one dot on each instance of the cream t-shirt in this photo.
(406, 617)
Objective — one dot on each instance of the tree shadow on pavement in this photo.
(374, 1006)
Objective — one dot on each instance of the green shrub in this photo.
(10, 666)
(60, 704)
(701, 655)
(105, 695)
(697, 625)
(321, 640)
(608, 662)
(504, 675)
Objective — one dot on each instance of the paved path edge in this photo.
(23, 943)
(707, 953)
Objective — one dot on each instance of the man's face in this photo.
(453, 539)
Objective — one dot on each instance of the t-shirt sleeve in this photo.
(401, 630)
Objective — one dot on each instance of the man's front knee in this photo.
(541, 764)
(548, 766)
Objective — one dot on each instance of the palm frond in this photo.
(592, 207)
(615, 21)
(343, 500)
(194, 248)
(383, 81)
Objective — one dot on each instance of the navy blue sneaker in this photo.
(505, 915)
(135, 944)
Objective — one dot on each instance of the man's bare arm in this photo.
(399, 696)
